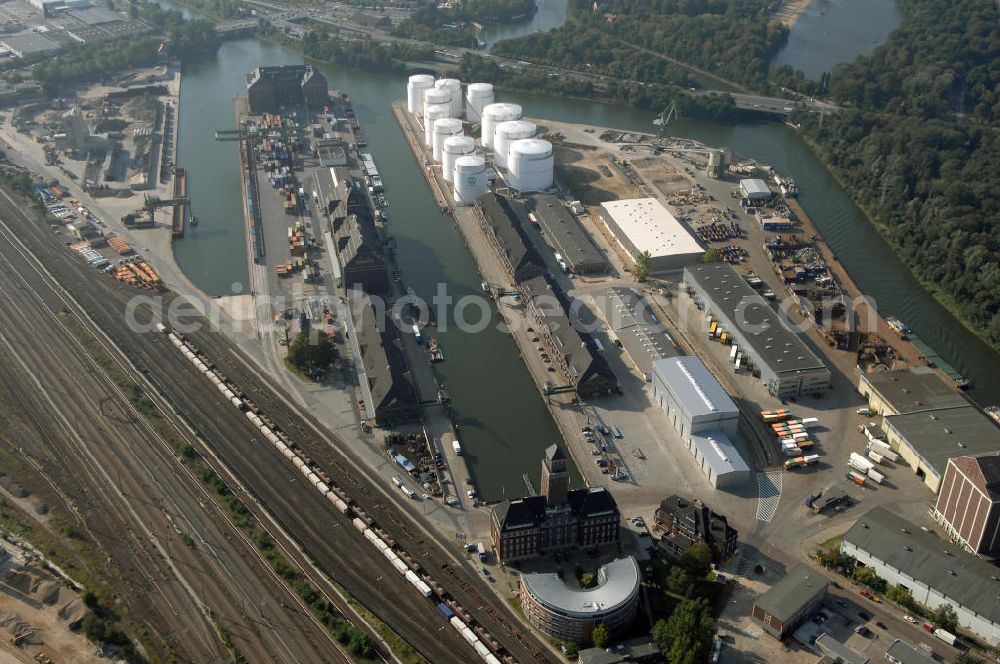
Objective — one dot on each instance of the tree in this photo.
(686, 637)
(712, 255)
(588, 580)
(945, 617)
(867, 576)
(306, 355)
(571, 650)
(642, 268)
(900, 595)
(697, 560)
(966, 658)
(601, 636)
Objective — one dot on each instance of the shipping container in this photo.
(469, 635)
(875, 476)
(457, 624)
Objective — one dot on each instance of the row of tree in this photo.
(451, 26)
(365, 53)
(917, 144)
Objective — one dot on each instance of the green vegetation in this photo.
(945, 617)
(686, 636)
(915, 143)
(712, 255)
(967, 658)
(571, 650)
(867, 576)
(641, 268)
(601, 636)
(312, 356)
(588, 580)
(730, 38)
(364, 53)
(452, 26)
(901, 595)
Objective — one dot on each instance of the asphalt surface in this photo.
(180, 566)
(322, 535)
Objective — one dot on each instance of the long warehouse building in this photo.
(704, 416)
(787, 366)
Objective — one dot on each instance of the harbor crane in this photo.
(663, 119)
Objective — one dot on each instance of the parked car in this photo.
(864, 615)
(862, 630)
(910, 619)
(881, 625)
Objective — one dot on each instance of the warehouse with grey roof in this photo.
(564, 231)
(634, 327)
(935, 571)
(786, 365)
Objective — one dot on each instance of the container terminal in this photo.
(320, 254)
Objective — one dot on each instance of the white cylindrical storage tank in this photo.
(432, 114)
(454, 88)
(470, 179)
(415, 89)
(453, 148)
(493, 115)
(444, 128)
(436, 97)
(506, 133)
(530, 165)
(477, 97)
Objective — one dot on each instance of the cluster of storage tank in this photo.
(405, 565)
(527, 161)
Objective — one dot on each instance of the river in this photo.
(829, 32)
(504, 423)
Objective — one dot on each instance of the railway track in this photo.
(272, 491)
(195, 573)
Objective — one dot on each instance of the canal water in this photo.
(829, 32)
(550, 14)
(504, 425)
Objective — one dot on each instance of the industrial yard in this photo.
(626, 267)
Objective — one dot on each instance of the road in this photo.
(181, 566)
(274, 488)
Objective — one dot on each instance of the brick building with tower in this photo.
(557, 519)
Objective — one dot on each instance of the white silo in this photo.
(469, 179)
(530, 165)
(454, 88)
(506, 133)
(415, 89)
(431, 115)
(493, 115)
(444, 128)
(437, 97)
(453, 148)
(477, 97)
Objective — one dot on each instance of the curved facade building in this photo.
(571, 613)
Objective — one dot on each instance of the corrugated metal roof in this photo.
(695, 387)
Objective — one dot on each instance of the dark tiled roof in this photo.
(512, 514)
(591, 502)
(385, 368)
(502, 219)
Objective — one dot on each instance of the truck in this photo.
(883, 450)
(945, 636)
(481, 550)
(802, 461)
(856, 477)
(875, 456)
(455, 445)
(408, 491)
(876, 476)
(860, 463)
(732, 358)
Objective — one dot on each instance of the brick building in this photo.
(558, 519)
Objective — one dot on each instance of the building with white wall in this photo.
(704, 415)
(933, 570)
(645, 225)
